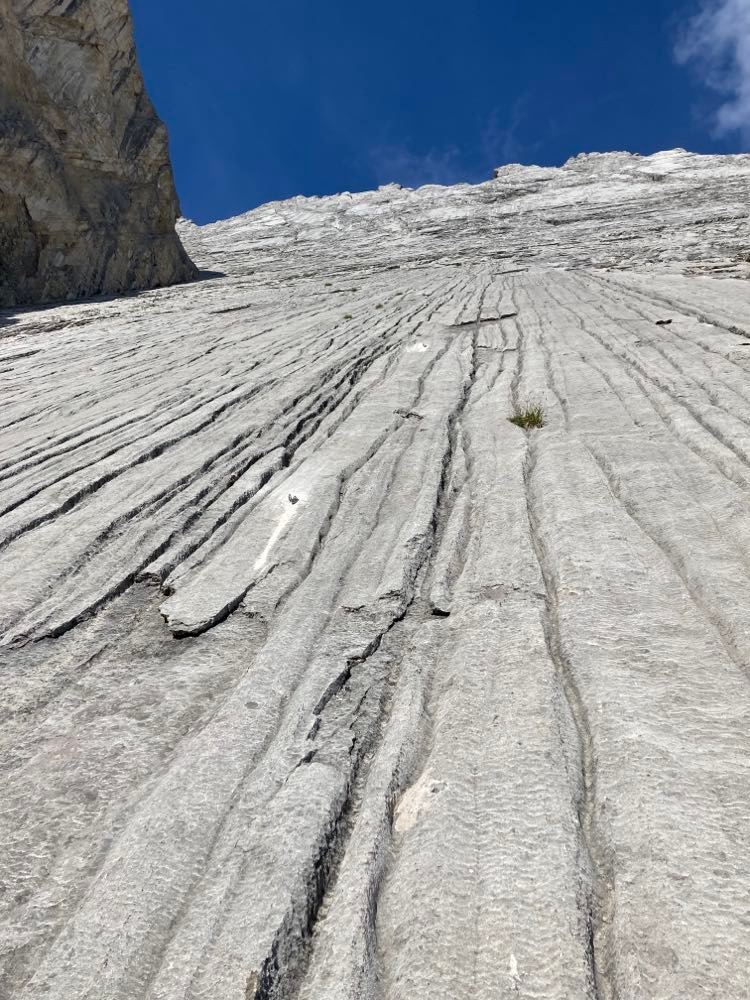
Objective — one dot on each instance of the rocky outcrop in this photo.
(321, 678)
(87, 198)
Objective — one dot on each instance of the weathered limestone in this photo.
(87, 199)
(322, 680)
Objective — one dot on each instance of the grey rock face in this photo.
(323, 680)
(87, 199)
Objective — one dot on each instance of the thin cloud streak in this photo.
(501, 144)
(402, 165)
(717, 41)
(497, 144)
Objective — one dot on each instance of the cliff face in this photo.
(87, 198)
(322, 679)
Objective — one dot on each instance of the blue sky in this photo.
(268, 100)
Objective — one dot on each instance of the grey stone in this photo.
(87, 199)
(321, 678)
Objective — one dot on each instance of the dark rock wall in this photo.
(87, 197)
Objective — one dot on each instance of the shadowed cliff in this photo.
(87, 198)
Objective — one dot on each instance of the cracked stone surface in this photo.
(87, 199)
(321, 679)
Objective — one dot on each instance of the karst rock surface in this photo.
(323, 680)
(87, 199)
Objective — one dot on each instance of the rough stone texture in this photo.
(87, 200)
(323, 680)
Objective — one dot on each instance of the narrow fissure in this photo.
(600, 901)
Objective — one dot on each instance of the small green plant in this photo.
(348, 316)
(329, 284)
(379, 305)
(529, 419)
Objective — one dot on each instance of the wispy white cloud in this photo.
(497, 143)
(404, 166)
(501, 143)
(717, 40)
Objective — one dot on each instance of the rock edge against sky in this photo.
(87, 198)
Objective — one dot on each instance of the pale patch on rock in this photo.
(415, 801)
(287, 515)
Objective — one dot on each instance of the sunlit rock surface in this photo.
(87, 200)
(321, 679)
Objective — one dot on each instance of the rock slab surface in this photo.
(321, 679)
(87, 199)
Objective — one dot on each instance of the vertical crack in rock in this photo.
(273, 976)
(710, 609)
(282, 973)
(600, 901)
(374, 765)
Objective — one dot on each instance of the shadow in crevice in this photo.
(7, 319)
(13, 314)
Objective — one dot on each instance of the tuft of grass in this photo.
(379, 305)
(348, 316)
(529, 419)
